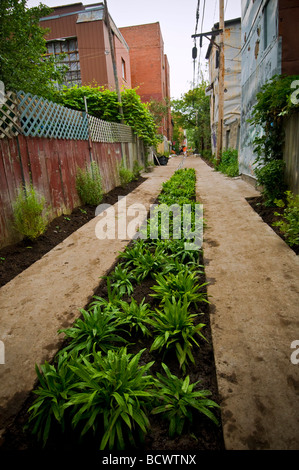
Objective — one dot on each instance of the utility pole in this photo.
(221, 83)
(113, 59)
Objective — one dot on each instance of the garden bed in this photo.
(16, 258)
(267, 213)
(202, 433)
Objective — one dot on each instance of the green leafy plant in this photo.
(136, 315)
(89, 184)
(122, 280)
(289, 223)
(174, 328)
(229, 163)
(29, 213)
(55, 383)
(126, 176)
(96, 329)
(271, 178)
(137, 169)
(113, 398)
(181, 402)
(181, 285)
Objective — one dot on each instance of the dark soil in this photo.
(267, 213)
(202, 435)
(16, 258)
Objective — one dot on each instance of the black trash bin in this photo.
(163, 160)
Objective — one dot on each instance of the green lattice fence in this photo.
(35, 116)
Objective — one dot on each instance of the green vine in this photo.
(103, 104)
(273, 104)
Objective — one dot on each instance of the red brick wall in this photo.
(149, 65)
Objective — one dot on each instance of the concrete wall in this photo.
(261, 59)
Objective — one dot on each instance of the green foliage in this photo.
(103, 104)
(174, 328)
(136, 315)
(28, 212)
(97, 329)
(126, 176)
(229, 163)
(271, 178)
(289, 224)
(114, 394)
(273, 103)
(180, 402)
(89, 184)
(137, 169)
(122, 280)
(192, 112)
(22, 45)
(55, 383)
(179, 286)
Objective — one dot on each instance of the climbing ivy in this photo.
(103, 104)
(273, 104)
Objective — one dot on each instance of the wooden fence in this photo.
(291, 153)
(44, 144)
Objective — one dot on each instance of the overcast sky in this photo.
(177, 19)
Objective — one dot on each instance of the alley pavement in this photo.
(253, 289)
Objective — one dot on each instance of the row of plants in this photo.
(31, 214)
(117, 367)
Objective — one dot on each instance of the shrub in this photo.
(113, 398)
(229, 163)
(89, 185)
(55, 383)
(136, 170)
(271, 178)
(126, 176)
(289, 224)
(28, 211)
(174, 328)
(180, 402)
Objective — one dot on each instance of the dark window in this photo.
(68, 47)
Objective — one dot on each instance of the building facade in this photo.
(149, 67)
(232, 85)
(81, 33)
(270, 47)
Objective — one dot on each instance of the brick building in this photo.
(81, 33)
(149, 66)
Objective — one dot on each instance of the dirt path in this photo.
(253, 288)
(254, 291)
(48, 295)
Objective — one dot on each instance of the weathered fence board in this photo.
(291, 153)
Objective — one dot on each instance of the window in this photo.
(123, 69)
(69, 47)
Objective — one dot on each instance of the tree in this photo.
(22, 48)
(103, 104)
(192, 112)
